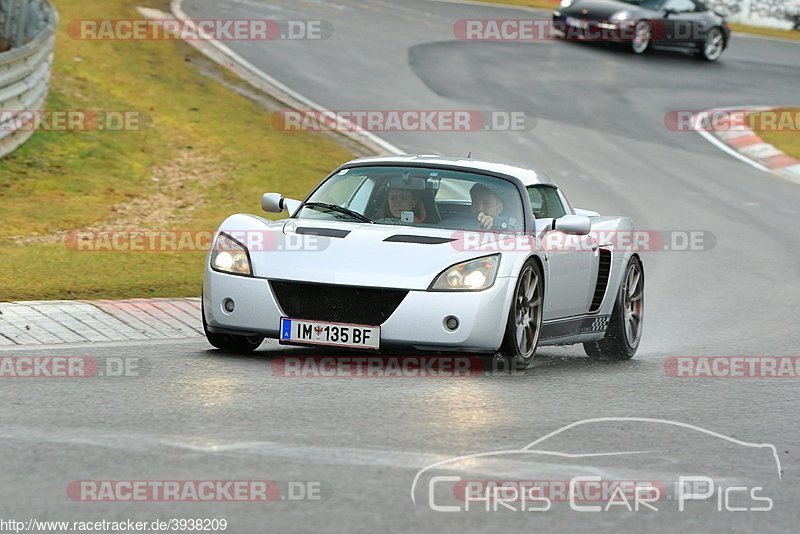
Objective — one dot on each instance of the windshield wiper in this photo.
(339, 209)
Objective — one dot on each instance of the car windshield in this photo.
(646, 4)
(417, 196)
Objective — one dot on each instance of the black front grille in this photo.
(343, 304)
(604, 270)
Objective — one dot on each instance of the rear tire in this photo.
(229, 342)
(625, 327)
(525, 317)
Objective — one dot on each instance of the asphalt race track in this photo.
(195, 413)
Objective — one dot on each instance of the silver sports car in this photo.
(428, 252)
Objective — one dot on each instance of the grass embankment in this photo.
(736, 28)
(780, 128)
(204, 152)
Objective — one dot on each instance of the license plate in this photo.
(300, 331)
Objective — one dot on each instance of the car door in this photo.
(685, 22)
(571, 261)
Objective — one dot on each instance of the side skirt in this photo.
(574, 330)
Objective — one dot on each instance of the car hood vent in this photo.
(418, 239)
(325, 232)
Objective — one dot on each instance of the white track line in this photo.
(725, 148)
(719, 144)
(177, 10)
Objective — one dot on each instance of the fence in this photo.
(783, 14)
(27, 41)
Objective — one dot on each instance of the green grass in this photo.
(736, 28)
(213, 152)
(793, 35)
(55, 272)
(788, 141)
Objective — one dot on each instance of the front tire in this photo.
(625, 327)
(230, 342)
(713, 46)
(525, 317)
(642, 37)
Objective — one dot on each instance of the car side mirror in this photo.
(669, 12)
(574, 224)
(276, 203)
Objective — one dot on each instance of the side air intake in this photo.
(603, 272)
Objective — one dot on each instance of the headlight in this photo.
(566, 3)
(619, 16)
(472, 275)
(230, 256)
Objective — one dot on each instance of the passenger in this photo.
(401, 200)
(487, 207)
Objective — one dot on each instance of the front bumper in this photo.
(419, 321)
(599, 30)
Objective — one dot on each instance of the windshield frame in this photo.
(528, 223)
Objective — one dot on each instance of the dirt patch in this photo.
(179, 188)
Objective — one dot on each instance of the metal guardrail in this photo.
(27, 41)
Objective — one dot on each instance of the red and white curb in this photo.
(62, 321)
(745, 145)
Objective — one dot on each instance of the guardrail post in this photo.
(23, 17)
(7, 9)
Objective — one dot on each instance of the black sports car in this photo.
(687, 25)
